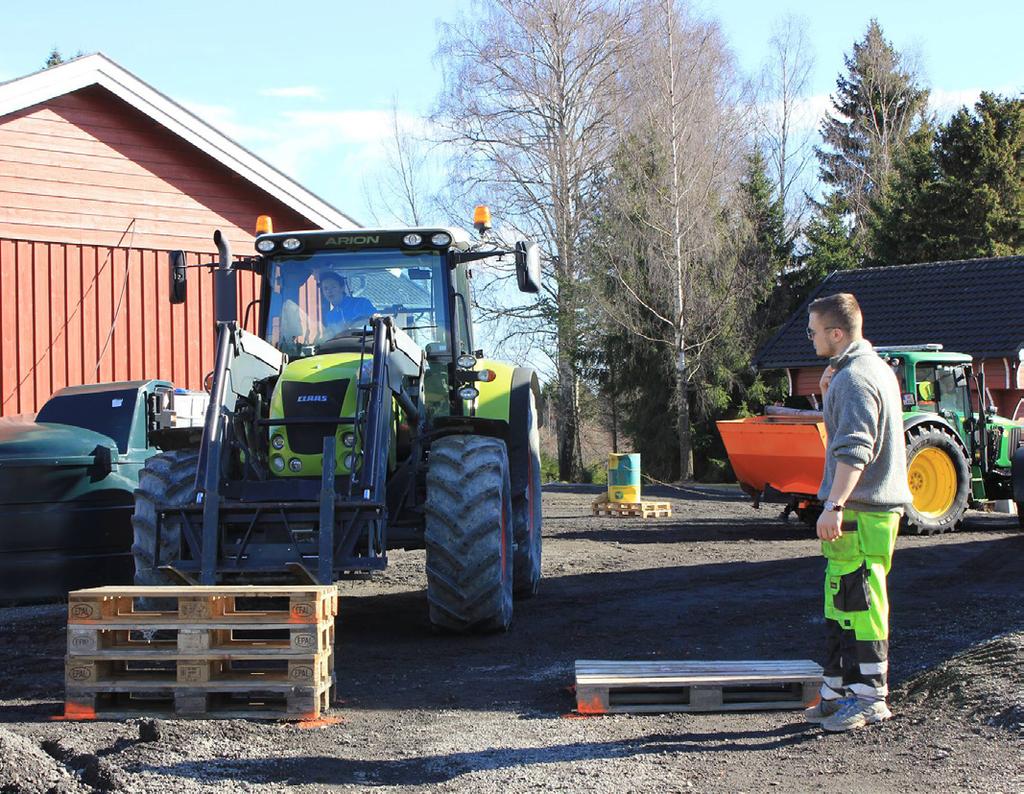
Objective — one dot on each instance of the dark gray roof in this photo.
(973, 306)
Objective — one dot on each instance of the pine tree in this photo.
(53, 59)
(957, 193)
(903, 216)
(830, 247)
(770, 247)
(874, 111)
(979, 199)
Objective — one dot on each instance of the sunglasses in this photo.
(811, 331)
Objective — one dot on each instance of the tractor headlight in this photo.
(348, 439)
(277, 441)
(466, 361)
(412, 239)
(291, 244)
(349, 461)
(468, 393)
(265, 246)
(441, 239)
(277, 463)
(295, 464)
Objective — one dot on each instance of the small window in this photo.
(110, 413)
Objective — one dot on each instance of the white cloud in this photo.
(224, 119)
(947, 102)
(805, 115)
(294, 92)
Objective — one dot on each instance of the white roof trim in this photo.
(98, 69)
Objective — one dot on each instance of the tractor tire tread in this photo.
(469, 584)
(168, 478)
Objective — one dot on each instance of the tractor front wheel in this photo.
(168, 478)
(468, 534)
(526, 516)
(939, 478)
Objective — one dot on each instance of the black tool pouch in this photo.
(854, 594)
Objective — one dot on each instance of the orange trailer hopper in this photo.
(786, 453)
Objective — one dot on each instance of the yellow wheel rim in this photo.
(932, 479)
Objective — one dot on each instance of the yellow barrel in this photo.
(624, 478)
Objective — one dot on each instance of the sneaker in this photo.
(824, 708)
(856, 713)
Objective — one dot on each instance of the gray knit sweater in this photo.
(864, 421)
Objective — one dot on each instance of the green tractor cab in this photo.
(361, 418)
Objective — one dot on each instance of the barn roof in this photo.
(98, 69)
(973, 306)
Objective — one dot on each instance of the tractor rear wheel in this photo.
(939, 479)
(526, 516)
(469, 534)
(167, 479)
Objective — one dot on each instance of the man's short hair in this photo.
(840, 310)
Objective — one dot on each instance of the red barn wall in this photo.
(93, 193)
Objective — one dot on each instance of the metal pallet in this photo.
(604, 687)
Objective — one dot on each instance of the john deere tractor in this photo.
(957, 456)
(360, 419)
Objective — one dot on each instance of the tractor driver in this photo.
(345, 309)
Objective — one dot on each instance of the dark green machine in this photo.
(67, 485)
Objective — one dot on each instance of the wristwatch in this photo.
(833, 507)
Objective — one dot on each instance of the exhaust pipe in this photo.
(225, 284)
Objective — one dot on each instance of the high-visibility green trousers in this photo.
(857, 605)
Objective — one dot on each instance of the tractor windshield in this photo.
(327, 295)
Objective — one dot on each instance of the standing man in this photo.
(864, 491)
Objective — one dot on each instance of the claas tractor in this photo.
(361, 418)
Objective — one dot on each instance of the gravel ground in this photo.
(718, 580)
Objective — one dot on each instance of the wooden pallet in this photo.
(237, 605)
(210, 652)
(228, 700)
(612, 686)
(602, 507)
(158, 667)
(211, 640)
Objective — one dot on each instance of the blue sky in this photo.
(309, 86)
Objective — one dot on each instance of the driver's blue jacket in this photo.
(351, 308)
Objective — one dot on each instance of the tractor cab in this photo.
(320, 290)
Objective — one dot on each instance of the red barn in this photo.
(100, 176)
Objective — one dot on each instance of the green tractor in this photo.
(957, 457)
(360, 419)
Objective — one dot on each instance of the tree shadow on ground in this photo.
(436, 769)
(638, 531)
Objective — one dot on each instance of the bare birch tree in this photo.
(786, 127)
(399, 191)
(527, 108)
(673, 233)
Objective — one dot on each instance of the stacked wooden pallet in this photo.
(204, 652)
(634, 686)
(603, 507)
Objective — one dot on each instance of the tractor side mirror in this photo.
(528, 266)
(177, 285)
